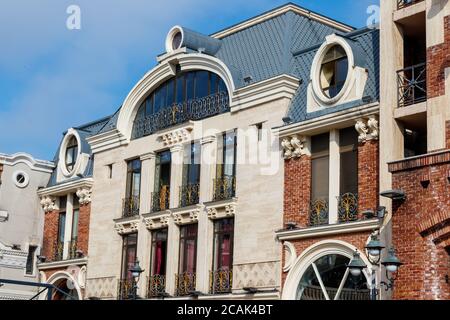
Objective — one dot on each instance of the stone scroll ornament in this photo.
(367, 129)
(293, 147)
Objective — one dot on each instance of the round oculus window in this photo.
(176, 40)
(21, 179)
(333, 71)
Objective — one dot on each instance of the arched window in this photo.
(192, 95)
(328, 278)
(71, 153)
(333, 73)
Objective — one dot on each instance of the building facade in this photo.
(21, 221)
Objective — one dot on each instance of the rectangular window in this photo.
(134, 178)
(159, 252)
(348, 145)
(320, 154)
(259, 128)
(223, 245)
(76, 215)
(192, 163)
(161, 195)
(109, 170)
(226, 157)
(62, 218)
(188, 249)
(129, 255)
(29, 269)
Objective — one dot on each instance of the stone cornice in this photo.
(34, 164)
(283, 86)
(424, 160)
(60, 264)
(64, 188)
(106, 141)
(327, 230)
(340, 119)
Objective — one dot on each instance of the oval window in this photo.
(176, 40)
(328, 278)
(71, 154)
(333, 72)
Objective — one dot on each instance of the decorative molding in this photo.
(34, 164)
(367, 129)
(177, 136)
(279, 11)
(126, 227)
(13, 259)
(84, 195)
(290, 256)
(148, 156)
(157, 221)
(48, 203)
(257, 275)
(187, 215)
(209, 139)
(106, 141)
(327, 230)
(222, 209)
(294, 146)
(103, 288)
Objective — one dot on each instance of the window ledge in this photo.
(332, 229)
(64, 263)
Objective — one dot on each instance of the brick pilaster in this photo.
(50, 234)
(368, 175)
(83, 228)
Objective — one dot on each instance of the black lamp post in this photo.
(391, 264)
(136, 271)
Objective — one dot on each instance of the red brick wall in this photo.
(297, 190)
(50, 234)
(438, 58)
(421, 227)
(357, 239)
(83, 228)
(368, 175)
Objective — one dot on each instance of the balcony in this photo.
(412, 85)
(74, 253)
(348, 208)
(406, 3)
(161, 199)
(220, 282)
(156, 286)
(130, 207)
(184, 284)
(195, 109)
(318, 215)
(224, 188)
(189, 195)
(58, 251)
(125, 289)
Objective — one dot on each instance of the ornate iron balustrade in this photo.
(189, 195)
(125, 289)
(406, 3)
(195, 109)
(184, 283)
(58, 251)
(319, 213)
(156, 285)
(73, 248)
(131, 206)
(412, 85)
(348, 207)
(316, 293)
(161, 199)
(224, 188)
(220, 281)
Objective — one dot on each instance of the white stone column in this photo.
(334, 176)
(173, 246)
(176, 175)
(147, 181)
(205, 226)
(68, 226)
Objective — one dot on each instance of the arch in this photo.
(63, 275)
(162, 72)
(313, 253)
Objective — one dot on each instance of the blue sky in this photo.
(52, 78)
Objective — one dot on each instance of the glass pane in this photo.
(213, 83)
(320, 178)
(160, 98)
(61, 226)
(136, 184)
(76, 214)
(190, 85)
(341, 70)
(349, 172)
(309, 287)
(180, 89)
(201, 84)
(222, 87)
(159, 252)
(149, 106)
(320, 143)
(170, 92)
(332, 269)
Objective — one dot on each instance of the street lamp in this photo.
(391, 263)
(136, 271)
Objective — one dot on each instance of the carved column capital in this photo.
(49, 204)
(367, 129)
(84, 195)
(293, 146)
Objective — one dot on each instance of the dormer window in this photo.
(176, 40)
(334, 71)
(71, 153)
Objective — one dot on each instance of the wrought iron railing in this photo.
(220, 281)
(58, 251)
(224, 188)
(318, 213)
(184, 284)
(73, 249)
(406, 3)
(195, 109)
(412, 85)
(348, 207)
(125, 289)
(131, 206)
(189, 194)
(156, 285)
(161, 199)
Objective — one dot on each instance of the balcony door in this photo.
(221, 275)
(190, 189)
(161, 195)
(133, 189)
(129, 255)
(224, 185)
(186, 278)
